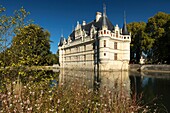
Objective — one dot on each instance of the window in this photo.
(104, 54)
(104, 31)
(104, 43)
(115, 45)
(101, 32)
(124, 37)
(115, 56)
(116, 34)
(84, 47)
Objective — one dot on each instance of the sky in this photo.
(61, 16)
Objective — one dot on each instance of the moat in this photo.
(150, 88)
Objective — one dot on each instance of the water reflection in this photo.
(94, 80)
(36, 85)
(151, 85)
(151, 88)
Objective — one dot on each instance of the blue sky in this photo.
(59, 16)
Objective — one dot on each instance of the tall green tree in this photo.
(31, 46)
(141, 43)
(164, 45)
(156, 30)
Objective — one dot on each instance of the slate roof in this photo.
(97, 25)
(124, 30)
(61, 41)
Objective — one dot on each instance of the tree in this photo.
(156, 30)
(8, 26)
(31, 46)
(52, 59)
(141, 43)
(57, 54)
(164, 45)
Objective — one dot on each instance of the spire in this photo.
(124, 30)
(61, 38)
(104, 9)
(104, 16)
(62, 33)
(124, 17)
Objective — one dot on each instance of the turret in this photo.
(61, 40)
(124, 30)
(104, 24)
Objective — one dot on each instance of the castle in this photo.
(96, 44)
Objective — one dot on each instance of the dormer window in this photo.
(78, 33)
(116, 34)
(104, 31)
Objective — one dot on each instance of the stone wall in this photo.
(149, 68)
(160, 68)
(134, 67)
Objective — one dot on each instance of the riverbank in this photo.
(53, 67)
(132, 67)
(150, 68)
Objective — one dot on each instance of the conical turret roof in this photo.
(124, 30)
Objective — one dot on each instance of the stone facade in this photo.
(97, 43)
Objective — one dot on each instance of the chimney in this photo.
(84, 23)
(98, 15)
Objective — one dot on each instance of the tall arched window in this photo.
(115, 45)
(104, 43)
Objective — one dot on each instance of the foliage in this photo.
(30, 43)
(156, 30)
(140, 40)
(52, 59)
(164, 45)
(5, 58)
(151, 39)
(36, 91)
(31, 46)
(8, 26)
(57, 55)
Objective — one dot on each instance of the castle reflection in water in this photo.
(149, 84)
(118, 80)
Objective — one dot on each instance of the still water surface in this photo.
(152, 86)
